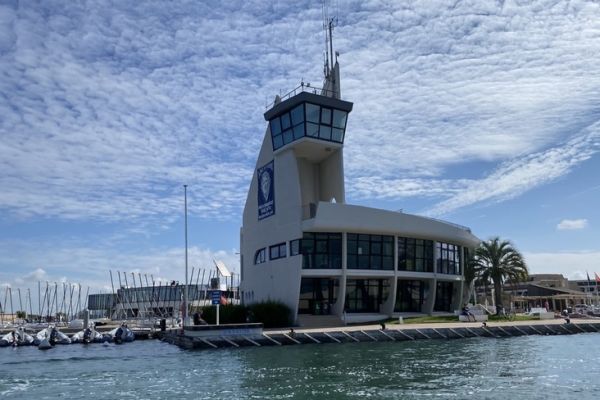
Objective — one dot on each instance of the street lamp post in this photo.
(185, 288)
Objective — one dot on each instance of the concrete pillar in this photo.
(388, 306)
(341, 303)
(429, 305)
(461, 301)
(394, 283)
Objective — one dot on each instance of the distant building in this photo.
(584, 286)
(303, 245)
(148, 301)
(554, 289)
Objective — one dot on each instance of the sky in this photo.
(482, 113)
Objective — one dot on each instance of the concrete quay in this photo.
(375, 333)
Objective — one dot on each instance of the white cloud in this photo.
(572, 265)
(513, 178)
(34, 276)
(89, 267)
(572, 224)
(107, 111)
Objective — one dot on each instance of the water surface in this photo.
(531, 367)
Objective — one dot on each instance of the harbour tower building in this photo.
(301, 244)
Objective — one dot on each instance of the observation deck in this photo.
(310, 113)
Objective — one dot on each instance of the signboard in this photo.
(266, 190)
(215, 297)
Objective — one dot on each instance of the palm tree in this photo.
(470, 275)
(498, 261)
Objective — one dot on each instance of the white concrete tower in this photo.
(299, 165)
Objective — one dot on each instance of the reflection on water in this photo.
(532, 367)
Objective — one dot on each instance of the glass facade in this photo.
(415, 255)
(104, 301)
(308, 120)
(443, 296)
(159, 293)
(366, 295)
(370, 252)
(411, 295)
(321, 250)
(448, 258)
(318, 295)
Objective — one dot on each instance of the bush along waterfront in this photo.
(272, 314)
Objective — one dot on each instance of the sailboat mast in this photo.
(30, 306)
(40, 301)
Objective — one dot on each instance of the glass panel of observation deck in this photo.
(308, 120)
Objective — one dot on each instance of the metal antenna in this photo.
(328, 25)
(325, 13)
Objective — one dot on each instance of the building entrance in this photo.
(411, 295)
(317, 296)
(366, 295)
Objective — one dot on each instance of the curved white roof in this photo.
(335, 217)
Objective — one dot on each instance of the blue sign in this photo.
(216, 297)
(266, 190)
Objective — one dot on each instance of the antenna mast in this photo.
(328, 25)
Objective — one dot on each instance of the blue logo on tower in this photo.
(266, 190)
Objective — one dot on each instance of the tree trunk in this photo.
(498, 294)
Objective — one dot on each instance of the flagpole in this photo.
(597, 278)
(588, 286)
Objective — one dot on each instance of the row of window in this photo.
(370, 251)
(376, 252)
(310, 120)
(317, 295)
(320, 250)
(415, 255)
(448, 261)
(276, 251)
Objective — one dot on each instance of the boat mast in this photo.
(185, 288)
(20, 302)
(30, 306)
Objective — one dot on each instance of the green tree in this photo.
(498, 261)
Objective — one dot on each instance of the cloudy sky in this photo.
(483, 113)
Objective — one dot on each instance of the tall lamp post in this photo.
(185, 288)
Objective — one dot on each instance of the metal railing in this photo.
(304, 87)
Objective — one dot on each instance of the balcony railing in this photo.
(304, 87)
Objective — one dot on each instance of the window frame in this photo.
(278, 247)
(367, 251)
(260, 260)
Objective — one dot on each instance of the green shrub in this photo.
(228, 314)
(272, 314)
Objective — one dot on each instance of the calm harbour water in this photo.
(532, 367)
